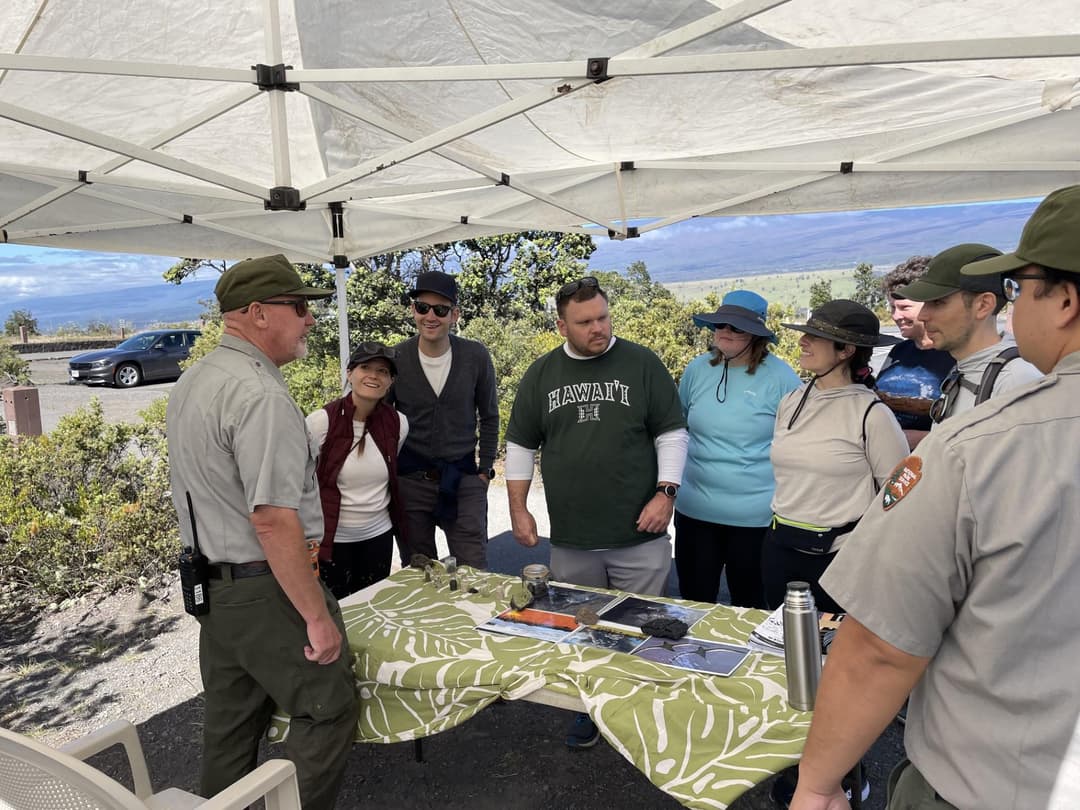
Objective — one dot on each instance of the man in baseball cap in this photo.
(959, 581)
(959, 313)
(242, 472)
(447, 389)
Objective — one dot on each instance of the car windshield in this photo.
(139, 342)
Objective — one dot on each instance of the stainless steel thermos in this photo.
(802, 646)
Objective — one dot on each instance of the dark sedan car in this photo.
(147, 356)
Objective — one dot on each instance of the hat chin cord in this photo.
(806, 391)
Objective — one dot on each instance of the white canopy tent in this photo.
(325, 130)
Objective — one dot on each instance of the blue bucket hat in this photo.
(742, 309)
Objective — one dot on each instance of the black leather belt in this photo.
(423, 475)
(239, 570)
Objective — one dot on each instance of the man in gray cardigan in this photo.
(446, 388)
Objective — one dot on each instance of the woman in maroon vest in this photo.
(358, 437)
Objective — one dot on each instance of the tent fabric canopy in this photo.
(146, 126)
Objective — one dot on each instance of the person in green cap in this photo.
(959, 314)
(243, 474)
(959, 581)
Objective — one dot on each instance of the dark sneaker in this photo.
(583, 733)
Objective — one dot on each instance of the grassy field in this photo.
(782, 288)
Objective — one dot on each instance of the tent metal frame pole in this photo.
(447, 153)
(185, 126)
(433, 235)
(925, 52)
(118, 146)
(454, 132)
(113, 67)
(40, 174)
(861, 166)
(901, 151)
(279, 120)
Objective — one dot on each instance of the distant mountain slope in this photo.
(138, 307)
(712, 248)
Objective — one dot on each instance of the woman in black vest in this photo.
(358, 438)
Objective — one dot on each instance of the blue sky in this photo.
(697, 249)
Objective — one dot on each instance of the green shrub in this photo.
(86, 507)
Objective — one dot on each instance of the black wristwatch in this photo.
(490, 473)
(671, 490)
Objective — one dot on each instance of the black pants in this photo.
(357, 565)
(702, 550)
(780, 565)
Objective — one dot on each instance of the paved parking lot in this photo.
(57, 398)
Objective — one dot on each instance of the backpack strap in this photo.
(866, 415)
(991, 372)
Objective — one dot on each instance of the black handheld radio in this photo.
(194, 572)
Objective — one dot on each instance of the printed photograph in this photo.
(530, 623)
(606, 638)
(634, 612)
(562, 599)
(713, 657)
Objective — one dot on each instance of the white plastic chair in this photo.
(34, 776)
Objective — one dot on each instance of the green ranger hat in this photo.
(260, 279)
(1051, 238)
(943, 276)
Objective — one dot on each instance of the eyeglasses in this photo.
(734, 329)
(940, 406)
(1010, 285)
(423, 308)
(589, 282)
(299, 304)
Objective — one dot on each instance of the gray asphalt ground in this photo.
(510, 755)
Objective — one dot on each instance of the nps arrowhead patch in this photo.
(902, 480)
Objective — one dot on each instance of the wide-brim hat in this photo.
(742, 309)
(845, 322)
(1051, 238)
(943, 276)
(259, 279)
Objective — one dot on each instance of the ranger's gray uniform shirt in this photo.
(237, 440)
(1012, 375)
(975, 563)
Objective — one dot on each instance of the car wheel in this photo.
(127, 375)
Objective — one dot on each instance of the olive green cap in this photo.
(260, 279)
(943, 276)
(1051, 238)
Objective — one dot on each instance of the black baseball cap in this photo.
(371, 349)
(436, 282)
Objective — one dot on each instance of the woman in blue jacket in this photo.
(730, 396)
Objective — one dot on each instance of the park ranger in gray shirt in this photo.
(238, 447)
(960, 581)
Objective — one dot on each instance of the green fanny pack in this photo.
(804, 537)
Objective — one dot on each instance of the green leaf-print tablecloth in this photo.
(423, 667)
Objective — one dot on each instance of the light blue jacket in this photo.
(728, 477)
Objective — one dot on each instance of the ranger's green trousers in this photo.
(909, 790)
(251, 654)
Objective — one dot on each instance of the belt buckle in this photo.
(431, 475)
